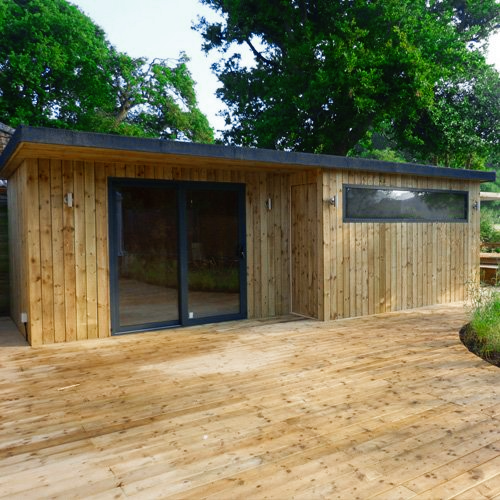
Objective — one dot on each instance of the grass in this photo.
(485, 321)
(484, 327)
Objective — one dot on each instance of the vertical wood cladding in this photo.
(304, 250)
(59, 256)
(18, 252)
(379, 267)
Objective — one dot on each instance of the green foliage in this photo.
(386, 154)
(327, 72)
(154, 270)
(490, 210)
(57, 69)
(485, 321)
(462, 127)
(489, 234)
(377, 145)
(492, 207)
(52, 64)
(153, 99)
(216, 279)
(493, 187)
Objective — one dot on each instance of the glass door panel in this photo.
(147, 255)
(177, 253)
(214, 252)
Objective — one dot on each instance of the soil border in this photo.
(469, 339)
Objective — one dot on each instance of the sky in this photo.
(162, 28)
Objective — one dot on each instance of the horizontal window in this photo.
(374, 204)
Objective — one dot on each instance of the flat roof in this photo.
(78, 142)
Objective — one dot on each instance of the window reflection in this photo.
(411, 205)
(147, 255)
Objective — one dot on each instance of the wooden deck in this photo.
(390, 406)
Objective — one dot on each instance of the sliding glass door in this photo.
(214, 253)
(177, 252)
(146, 256)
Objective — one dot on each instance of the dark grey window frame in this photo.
(115, 247)
(347, 219)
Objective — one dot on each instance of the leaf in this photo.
(325, 73)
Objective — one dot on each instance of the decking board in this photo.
(388, 406)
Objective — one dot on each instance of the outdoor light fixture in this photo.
(475, 205)
(68, 199)
(332, 201)
(269, 204)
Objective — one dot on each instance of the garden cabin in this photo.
(111, 235)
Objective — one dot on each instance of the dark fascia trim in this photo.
(68, 138)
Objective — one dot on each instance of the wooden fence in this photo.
(490, 262)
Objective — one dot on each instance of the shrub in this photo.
(489, 234)
(486, 323)
(485, 319)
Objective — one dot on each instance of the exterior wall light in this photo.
(68, 199)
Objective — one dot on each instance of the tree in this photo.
(153, 99)
(52, 64)
(462, 127)
(326, 72)
(57, 69)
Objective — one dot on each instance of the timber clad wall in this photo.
(380, 267)
(18, 257)
(302, 257)
(61, 262)
(62, 265)
(305, 251)
(367, 268)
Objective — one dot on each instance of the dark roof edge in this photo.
(107, 141)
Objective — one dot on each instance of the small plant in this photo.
(485, 321)
(482, 335)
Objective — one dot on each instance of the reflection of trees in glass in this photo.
(149, 221)
(212, 224)
(374, 203)
(445, 205)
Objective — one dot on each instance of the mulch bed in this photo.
(469, 339)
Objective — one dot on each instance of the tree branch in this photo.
(258, 55)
